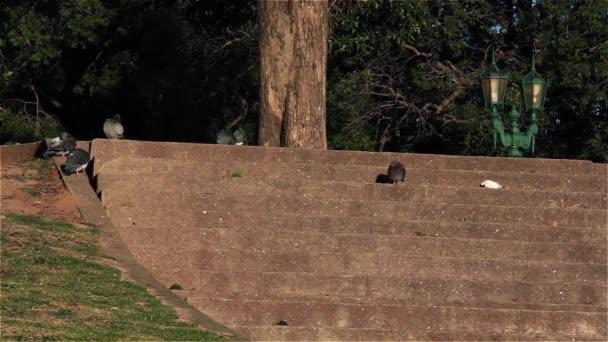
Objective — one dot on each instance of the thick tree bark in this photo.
(293, 57)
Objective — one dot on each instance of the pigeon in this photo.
(60, 146)
(113, 128)
(238, 137)
(490, 184)
(396, 172)
(77, 161)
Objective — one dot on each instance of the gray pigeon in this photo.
(396, 172)
(77, 161)
(60, 146)
(113, 128)
(238, 137)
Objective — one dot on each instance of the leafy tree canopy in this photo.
(402, 75)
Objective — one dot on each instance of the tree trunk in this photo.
(293, 58)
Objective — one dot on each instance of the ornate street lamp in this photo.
(493, 84)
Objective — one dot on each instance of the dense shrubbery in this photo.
(21, 127)
(402, 75)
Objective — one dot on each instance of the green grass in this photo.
(54, 287)
(33, 170)
(21, 178)
(238, 173)
(43, 168)
(34, 192)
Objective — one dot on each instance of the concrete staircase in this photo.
(304, 246)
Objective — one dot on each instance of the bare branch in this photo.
(416, 51)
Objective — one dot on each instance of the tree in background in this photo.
(175, 70)
(293, 59)
(401, 75)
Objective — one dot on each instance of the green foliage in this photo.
(402, 75)
(238, 173)
(176, 287)
(423, 90)
(347, 103)
(54, 288)
(361, 29)
(22, 127)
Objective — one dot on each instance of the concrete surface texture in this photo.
(287, 244)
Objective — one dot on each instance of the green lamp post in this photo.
(494, 85)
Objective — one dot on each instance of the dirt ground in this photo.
(36, 188)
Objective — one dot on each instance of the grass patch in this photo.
(238, 173)
(42, 167)
(39, 170)
(21, 178)
(54, 288)
(176, 287)
(34, 192)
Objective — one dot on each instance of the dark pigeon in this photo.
(383, 179)
(60, 146)
(238, 137)
(77, 161)
(396, 172)
(113, 128)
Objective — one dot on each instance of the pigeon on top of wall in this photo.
(238, 137)
(77, 161)
(396, 172)
(60, 146)
(490, 184)
(113, 128)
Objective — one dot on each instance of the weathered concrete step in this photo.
(303, 241)
(436, 290)
(191, 220)
(410, 317)
(177, 201)
(105, 150)
(150, 167)
(409, 192)
(211, 259)
(194, 296)
(287, 333)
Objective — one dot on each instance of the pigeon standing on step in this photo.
(113, 128)
(77, 161)
(396, 172)
(238, 137)
(60, 146)
(490, 184)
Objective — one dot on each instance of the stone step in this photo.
(194, 296)
(584, 325)
(149, 168)
(104, 150)
(288, 333)
(211, 259)
(436, 290)
(268, 239)
(191, 220)
(176, 201)
(409, 192)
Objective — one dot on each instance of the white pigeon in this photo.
(60, 146)
(113, 128)
(490, 184)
